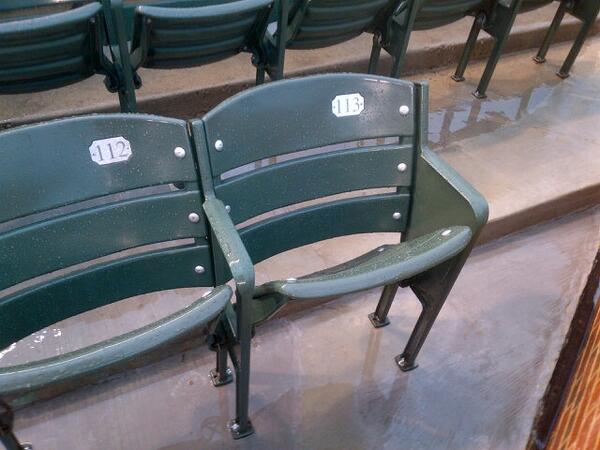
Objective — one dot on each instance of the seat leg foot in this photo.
(377, 322)
(404, 364)
(239, 432)
(539, 59)
(563, 75)
(219, 379)
(380, 317)
(457, 78)
(478, 94)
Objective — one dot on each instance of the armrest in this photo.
(231, 245)
(442, 198)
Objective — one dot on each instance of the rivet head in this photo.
(193, 217)
(199, 269)
(396, 216)
(228, 208)
(402, 167)
(446, 232)
(179, 152)
(404, 110)
(219, 145)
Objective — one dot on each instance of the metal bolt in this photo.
(228, 371)
(402, 362)
(193, 217)
(235, 426)
(219, 145)
(404, 110)
(228, 208)
(199, 269)
(396, 215)
(179, 152)
(402, 167)
(446, 232)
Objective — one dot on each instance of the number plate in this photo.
(348, 105)
(111, 150)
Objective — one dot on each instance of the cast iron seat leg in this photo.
(431, 308)
(490, 67)
(375, 52)
(7, 437)
(379, 318)
(222, 374)
(241, 426)
(469, 46)
(566, 67)
(540, 58)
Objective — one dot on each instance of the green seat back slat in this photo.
(178, 37)
(49, 165)
(529, 5)
(26, 4)
(71, 239)
(351, 216)
(436, 13)
(327, 22)
(283, 118)
(317, 176)
(31, 310)
(50, 51)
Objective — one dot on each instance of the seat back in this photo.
(291, 121)
(178, 36)
(436, 13)
(79, 189)
(39, 52)
(529, 5)
(320, 23)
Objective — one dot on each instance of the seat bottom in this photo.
(26, 381)
(384, 265)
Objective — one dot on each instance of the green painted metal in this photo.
(171, 34)
(438, 213)
(50, 49)
(584, 10)
(56, 214)
(311, 24)
(323, 175)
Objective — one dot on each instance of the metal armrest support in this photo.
(231, 245)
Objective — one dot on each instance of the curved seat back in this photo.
(436, 13)
(177, 36)
(76, 190)
(40, 52)
(281, 121)
(320, 23)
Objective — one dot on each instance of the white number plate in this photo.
(348, 105)
(112, 150)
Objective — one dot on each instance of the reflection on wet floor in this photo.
(473, 117)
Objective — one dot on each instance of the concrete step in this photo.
(189, 93)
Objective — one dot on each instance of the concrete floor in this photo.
(324, 378)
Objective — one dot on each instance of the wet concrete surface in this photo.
(325, 379)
